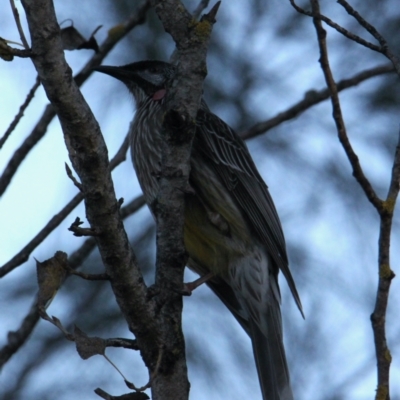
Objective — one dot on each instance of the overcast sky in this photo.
(337, 284)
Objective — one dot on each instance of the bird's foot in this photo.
(188, 287)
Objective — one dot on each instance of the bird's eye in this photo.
(153, 70)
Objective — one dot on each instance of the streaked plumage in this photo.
(231, 224)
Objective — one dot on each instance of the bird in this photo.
(232, 232)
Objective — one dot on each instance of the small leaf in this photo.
(50, 275)
(73, 40)
(88, 346)
(5, 50)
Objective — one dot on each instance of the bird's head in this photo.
(144, 79)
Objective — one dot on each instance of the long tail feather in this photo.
(270, 357)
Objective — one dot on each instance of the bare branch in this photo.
(20, 114)
(384, 49)
(203, 4)
(15, 339)
(337, 112)
(73, 179)
(120, 155)
(378, 317)
(311, 98)
(385, 210)
(183, 100)
(395, 179)
(8, 53)
(88, 277)
(21, 53)
(19, 26)
(24, 254)
(37, 133)
(337, 27)
(78, 231)
(88, 154)
(115, 35)
(122, 342)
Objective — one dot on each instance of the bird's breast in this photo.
(146, 144)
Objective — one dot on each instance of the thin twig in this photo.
(378, 317)
(29, 143)
(56, 322)
(15, 339)
(371, 29)
(122, 342)
(73, 179)
(338, 28)
(120, 155)
(203, 4)
(78, 231)
(395, 179)
(21, 111)
(152, 376)
(299, 9)
(89, 277)
(337, 112)
(384, 49)
(24, 254)
(21, 53)
(19, 26)
(312, 98)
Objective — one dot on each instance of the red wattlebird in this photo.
(231, 229)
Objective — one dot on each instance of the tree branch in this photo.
(183, 99)
(19, 155)
(19, 26)
(203, 4)
(378, 317)
(337, 112)
(338, 28)
(311, 98)
(384, 49)
(88, 154)
(15, 339)
(20, 114)
(385, 210)
(55, 221)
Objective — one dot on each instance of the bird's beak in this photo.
(116, 72)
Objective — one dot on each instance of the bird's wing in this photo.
(232, 162)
